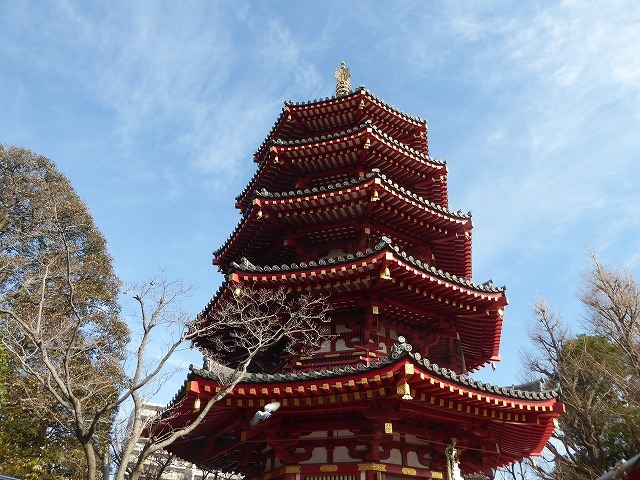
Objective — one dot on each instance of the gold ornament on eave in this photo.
(343, 80)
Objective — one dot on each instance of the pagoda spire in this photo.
(343, 80)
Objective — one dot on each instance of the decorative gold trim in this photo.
(328, 468)
(409, 471)
(436, 475)
(292, 469)
(377, 467)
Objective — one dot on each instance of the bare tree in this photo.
(250, 320)
(157, 465)
(518, 471)
(245, 324)
(596, 373)
(612, 302)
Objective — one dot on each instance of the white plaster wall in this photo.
(395, 457)
(315, 435)
(341, 345)
(341, 454)
(414, 461)
(319, 455)
(342, 329)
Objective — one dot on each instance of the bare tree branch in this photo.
(246, 324)
(597, 374)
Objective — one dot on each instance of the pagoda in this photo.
(347, 203)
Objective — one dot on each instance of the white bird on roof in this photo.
(262, 416)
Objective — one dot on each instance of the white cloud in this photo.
(535, 105)
(151, 67)
(544, 145)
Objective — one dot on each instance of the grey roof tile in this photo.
(401, 349)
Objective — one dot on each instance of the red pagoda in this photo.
(346, 202)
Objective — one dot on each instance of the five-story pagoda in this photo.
(346, 202)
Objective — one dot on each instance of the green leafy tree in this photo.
(32, 445)
(60, 322)
(4, 371)
(597, 373)
(59, 316)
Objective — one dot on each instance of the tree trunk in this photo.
(105, 464)
(135, 474)
(90, 455)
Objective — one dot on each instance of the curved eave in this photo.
(305, 202)
(358, 94)
(363, 146)
(518, 422)
(422, 376)
(459, 394)
(411, 288)
(265, 175)
(381, 206)
(373, 197)
(322, 142)
(298, 119)
(365, 264)
(253, 231)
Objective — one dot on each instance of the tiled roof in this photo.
(400, 350)
(235, 231)
(375, 173)
(345, 133)
(359, 128)
(359, 91)
(385, 243)
(349, 183)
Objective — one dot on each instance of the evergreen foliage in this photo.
(59, 316)
(597, 372)
(70, 362)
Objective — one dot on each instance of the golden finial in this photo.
(343, 80)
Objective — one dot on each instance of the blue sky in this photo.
(153, 109)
